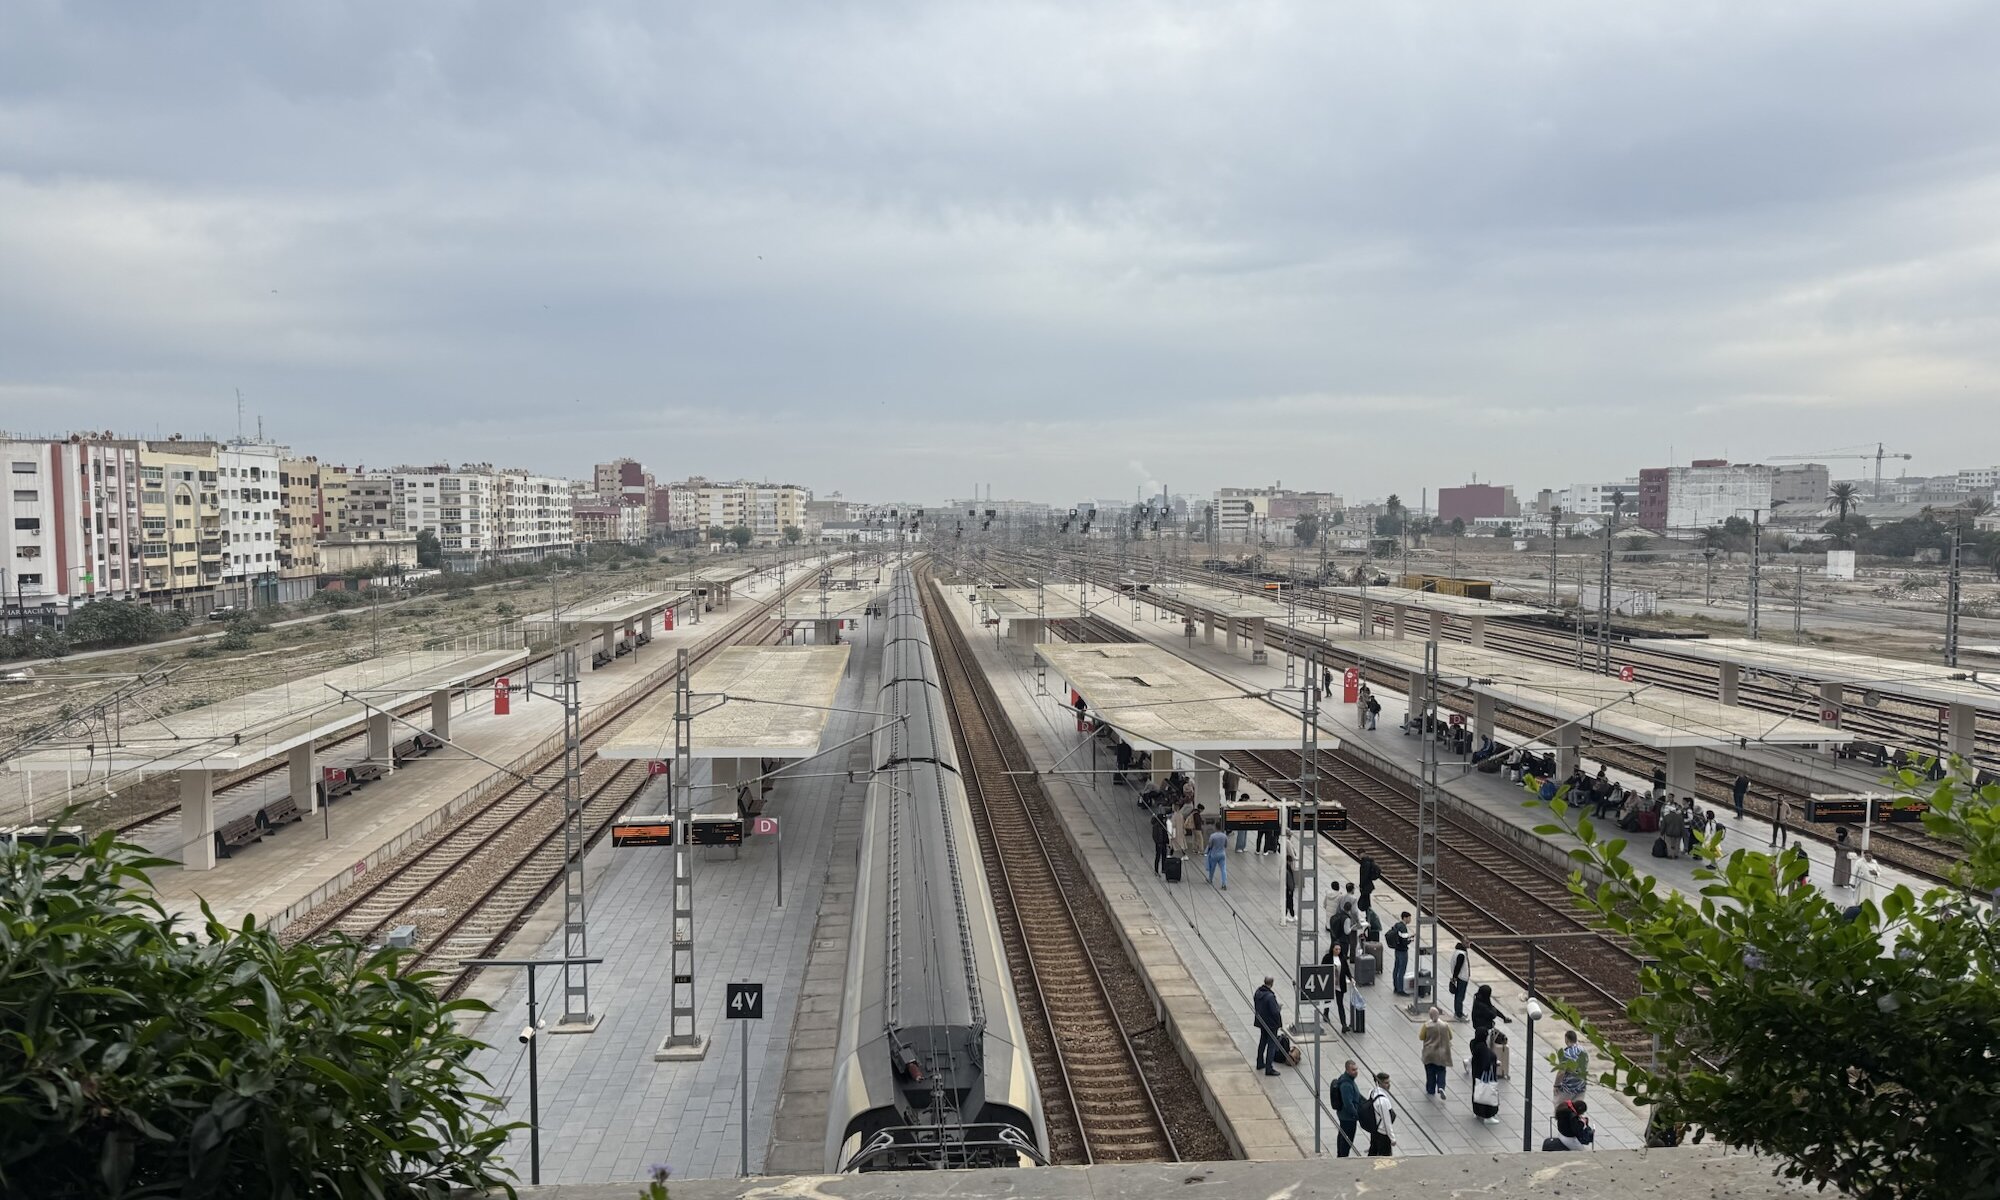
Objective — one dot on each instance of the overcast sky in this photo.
(896, 248)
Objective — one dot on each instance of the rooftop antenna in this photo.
(239, 414)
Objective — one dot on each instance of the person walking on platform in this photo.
(1382, 1131)
(1291, 887)
(1347, 1104)
(1399, 941)
(1737, 791)
(1270, 1018)
(1343, 980)
(1374, 710)
(1218, 855)
(1461, 979)
(1436, 1038)
(1162, 840)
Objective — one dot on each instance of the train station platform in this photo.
(1228, 941)
(289, 720)
(609, 1107)
(1678, 1174)
(1407, 604)
(1222, 943)
(1843, 680)
(299, 866)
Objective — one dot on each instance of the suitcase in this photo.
(1649, 821)
(1173, 868)
(1364, 970)
(1357, 1020)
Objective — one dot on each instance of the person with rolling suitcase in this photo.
(1270, 1019)
(1162, 840)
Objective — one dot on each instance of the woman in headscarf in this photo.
(1483, 1011)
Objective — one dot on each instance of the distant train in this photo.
(932, 1069)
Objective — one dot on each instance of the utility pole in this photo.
(1756, 556)
(576, 937)
(1799, 606)
(1425, 893)
(1555, 531)
(1305, 938)
(1951, 605)
(681, 1034)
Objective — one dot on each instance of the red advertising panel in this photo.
(502, 697)
(1350, 685)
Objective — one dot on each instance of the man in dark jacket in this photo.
(1347, 1104)
(1270, 1018)
(1161, 838)
(1737, 791)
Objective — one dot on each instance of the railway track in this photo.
(468, 886)
(1486, 889)
(1110, 1092)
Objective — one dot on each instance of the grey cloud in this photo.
(1376, 249)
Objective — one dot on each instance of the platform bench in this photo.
(239, 832)
(282, 811)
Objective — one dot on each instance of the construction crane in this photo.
(1878, 456)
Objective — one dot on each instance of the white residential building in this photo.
(1979, 479)
(251, 500)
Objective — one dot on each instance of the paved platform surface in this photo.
(1229, 940)
(270, 876)
(1685, 1173)
(609, 1110)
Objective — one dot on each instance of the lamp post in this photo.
(530, 1037)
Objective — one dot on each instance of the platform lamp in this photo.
(531, 1038)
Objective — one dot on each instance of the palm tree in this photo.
(1842, 495)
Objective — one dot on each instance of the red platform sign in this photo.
(667, 619)
(1350, 685)
(503, 697)
(656, 766)
(1625, 674)
(763, 826)
(1829, 716)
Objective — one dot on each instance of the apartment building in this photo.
(622, 480)
(180, 516)
(533, 514)
(250, 497)
(766, 509)
(1978, 479)
(69, 526)
(1260, 514)
(299, 486)
(1475, 500)
(625, 523)
(480, 514)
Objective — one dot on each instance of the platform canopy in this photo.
(1637, 713)
(235, 733)
(1159, 700)
(1018, 604)
(1223, 602)
(840, 606)
(796, 685)
(711, 575)
(613, 610)
(1451, 606)
(1899, 677)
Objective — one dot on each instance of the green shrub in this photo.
(145, 1058)
(116, 623)
(235, 639)
(338, 621)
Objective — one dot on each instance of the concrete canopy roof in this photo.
(246, 729)
(613, 610)
(1223, 602)
(710, 575)
(840, 605)
(1898, 677)
(796, 683)
(1159, 700)
(1630, 712)
(1451, 606)
(1018, 604)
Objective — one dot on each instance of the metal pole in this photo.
(534, 1091)
(781, 864)
(1756, 553)
(743, 1117)
(576, 936)
(1425, 894)
(681, 1029)
(1799, 606)
(1951, 605)
(1305, 938)
(1528, 1062)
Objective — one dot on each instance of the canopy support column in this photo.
(197, 820)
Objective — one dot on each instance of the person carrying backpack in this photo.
(1572, 1069)
(1378, 1117)
(1398, 940)
(1347, 1106)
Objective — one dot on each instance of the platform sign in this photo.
(502, 696)
(1625, 674)
(643, 831)
(332, 775)
(744, 1002)
(1350, 686)
(764, 826)
(667, 621)
(1316, 983)
(1829, 716)
(657, 766)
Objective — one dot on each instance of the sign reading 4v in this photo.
(1316, 983)
(745, 1002)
